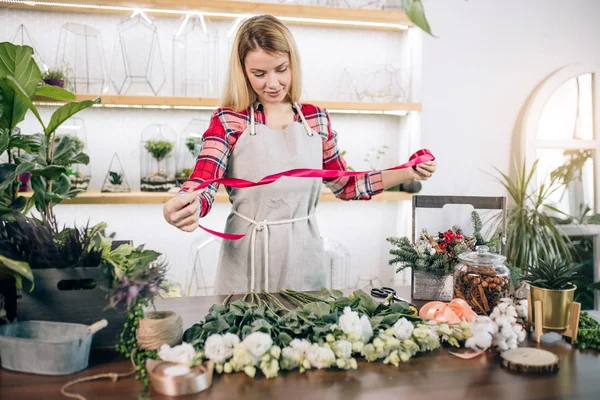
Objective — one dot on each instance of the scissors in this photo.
(384, 292)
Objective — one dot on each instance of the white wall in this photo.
(479, 71)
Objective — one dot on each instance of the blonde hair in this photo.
(268, 33)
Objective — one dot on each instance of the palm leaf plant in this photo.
(531, 233)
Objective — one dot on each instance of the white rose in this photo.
(350, 323)
(258, 343)
(403, 328)
(182, 354)
(366, 330)
(321, 357)
(216, 350)
(342, 349)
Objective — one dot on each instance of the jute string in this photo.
(154, 330)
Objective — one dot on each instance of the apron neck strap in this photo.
(298, 108)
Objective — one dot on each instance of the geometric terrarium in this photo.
(79, 174)
(157, 159)
(195, 55)
(384, 83)
(115, 181)
(188, 147)
(80, 52)
(137, 65)
(24, 38)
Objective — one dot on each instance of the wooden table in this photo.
(433, 375)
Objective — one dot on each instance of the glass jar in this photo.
(481, 279)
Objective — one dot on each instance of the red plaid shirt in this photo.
(224, 130)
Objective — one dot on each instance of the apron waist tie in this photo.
(264, 227)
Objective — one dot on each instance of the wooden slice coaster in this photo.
(529, 360)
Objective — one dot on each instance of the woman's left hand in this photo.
(424, 170)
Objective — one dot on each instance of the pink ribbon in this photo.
(419, 157)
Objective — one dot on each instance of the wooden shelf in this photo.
(210, 103)
(230, 10)
(96, 197)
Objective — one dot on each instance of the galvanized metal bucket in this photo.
(47, 348)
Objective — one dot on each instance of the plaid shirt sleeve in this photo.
(361, 187)
(216, 147)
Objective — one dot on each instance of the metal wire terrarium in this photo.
(115, 180)
(195, 56)
(137, 65)
(79, 174)
(81, 54)
(188, 148)
(24, 38)
(382, 83)
(157, 159)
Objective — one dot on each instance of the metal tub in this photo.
(46, 348)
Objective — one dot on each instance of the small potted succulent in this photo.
(116, 183)
(551, 283)
(56, 77)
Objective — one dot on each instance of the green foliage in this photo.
(416, 13)
(159, 149)
(588, 336)
(531, 234)
(192, 145)
(42, 244)
(312, 320)
(554, 274)
(44, 155)
(115, 178)
(53, 73)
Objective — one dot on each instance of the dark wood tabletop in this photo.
(432, 375)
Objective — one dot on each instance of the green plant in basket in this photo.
(192, 145)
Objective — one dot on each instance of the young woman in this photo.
(262, 129)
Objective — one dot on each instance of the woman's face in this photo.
(269, 75)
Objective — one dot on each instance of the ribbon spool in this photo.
(452, 313)
(158, 328)
(198, 379)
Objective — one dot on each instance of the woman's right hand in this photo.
(183, 211)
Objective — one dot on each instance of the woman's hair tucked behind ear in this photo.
(268, 33)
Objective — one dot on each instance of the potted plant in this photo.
(57, 77)
(531, 233)
(115, 183)
(551, 283)
(433, 259)
(158, 167)
(192, 145)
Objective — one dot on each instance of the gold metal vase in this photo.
(556, 306)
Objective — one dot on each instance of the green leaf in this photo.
(20, 267)
(67, 111)
(62, 185)
(318, 308)
(23, 97)
(366, 301)
(7, 175)
(29, 143)
(52, 172)
(55, 93)
(16, 62)
(416, 12)
(19, 204)
(284, 339)
(4, 140)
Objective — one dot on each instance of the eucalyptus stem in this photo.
(227, 299)
(292, 299)
(275, 301)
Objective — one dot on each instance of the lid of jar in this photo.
(482, 257)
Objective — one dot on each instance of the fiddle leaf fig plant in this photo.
(43, 154)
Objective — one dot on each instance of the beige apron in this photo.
(282, 248)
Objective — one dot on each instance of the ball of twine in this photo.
(158, 328)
